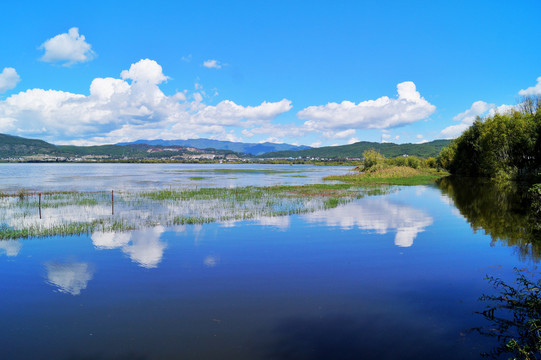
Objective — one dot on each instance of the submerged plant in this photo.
(514, 313)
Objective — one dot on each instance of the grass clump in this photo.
(397, 175)
(182, 220)
(376, 169)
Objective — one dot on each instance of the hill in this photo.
(19, 148)
(356, 150)
(239, 147)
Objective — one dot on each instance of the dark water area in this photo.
(391, 276)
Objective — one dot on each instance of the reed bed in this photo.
(29, 214)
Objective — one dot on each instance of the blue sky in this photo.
(306, 72)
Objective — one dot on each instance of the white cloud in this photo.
(271, 139)
(353, 140)
(10, 247)
(8, 79)
(69, 278)
(454, 131)
(69, 48)
(316, 144)
(340, 134)
(533, 90)
(478, 108)
(419, 136)
(503, 109)
(378, 215)
(143, 246)
(466, 118)
(381, 113)
(131, 108)
(145, 70)
(146, 249)
(212, 64)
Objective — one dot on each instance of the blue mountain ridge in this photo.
(249, 148)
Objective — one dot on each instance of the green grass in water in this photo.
(398, 175)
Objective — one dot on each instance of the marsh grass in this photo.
(396, 175)
(70, 213)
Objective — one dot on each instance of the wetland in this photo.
(251, 262)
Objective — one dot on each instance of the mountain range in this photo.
(15, 147)
(356, 150)
(239, 147)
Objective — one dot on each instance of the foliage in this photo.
(371, 159)
(355, 150)
(515, 316)
(501, 209)
(503, 146)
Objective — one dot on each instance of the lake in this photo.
(395, 274)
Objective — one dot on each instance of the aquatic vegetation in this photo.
(514, 313)
(70, 213)
(197, 177)
(396, 175)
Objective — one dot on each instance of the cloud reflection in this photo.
(143, 246)
(379, 215)
(10, 247)
(69, 278)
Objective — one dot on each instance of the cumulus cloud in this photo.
(145, 70)
(381, 113)
(129, 108)
(212, 64)
(533, 90)
(466, 118)
(144, 247)
(69, 278)
(503, 109)
(8, 79)
(378, 215)
(69, 48)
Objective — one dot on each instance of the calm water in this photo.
(394, 276)
(83, 177)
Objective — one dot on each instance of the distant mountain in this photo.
(15, 148)
(249, 148)
(355, 150)
(18, 146)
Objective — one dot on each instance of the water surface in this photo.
(390, 276)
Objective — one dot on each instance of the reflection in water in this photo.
(10, 247)
(501, 210)
(70, 278)
(211, 261)
(143, 246)
(281, 222)
(379, 215)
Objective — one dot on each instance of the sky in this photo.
(312, 73)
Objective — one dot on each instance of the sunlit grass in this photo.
(396, 175)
